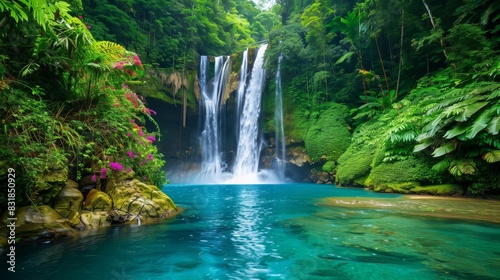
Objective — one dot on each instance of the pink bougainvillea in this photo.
(103, 173)
(116, 166)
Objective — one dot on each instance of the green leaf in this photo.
(344, 57)
(494, 125)
(457, 130)
(444, 149)
(480, 124)
(422, 146)
(442, 165)
(470, 110)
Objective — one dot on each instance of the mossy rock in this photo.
(40, 222)
(74, 218)
(42, 214)
(329, 136)
(97, 200)
(355, 164)
(95, 219)
(49, 184)
(69, 199)
(408, 170)
(133, 198)
(328, 167)
(446, 189)
(404, 187)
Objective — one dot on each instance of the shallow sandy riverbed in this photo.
(430, 206)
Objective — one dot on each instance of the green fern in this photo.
(492, 156)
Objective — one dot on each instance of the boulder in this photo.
(50, 183)
(136, 200)
(34, 222)
(94, 219)
(97, 200)
(69, 199)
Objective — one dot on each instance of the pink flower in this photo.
(129, 134)
(94, 178)
(150, 156)
(80, 17)
(130, 154)
(141, 133)
(103, 173)
(145, 178)
(88, 27)
(128, 170)
(115, 166)
(151, 139)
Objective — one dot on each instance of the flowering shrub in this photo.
(84, 118)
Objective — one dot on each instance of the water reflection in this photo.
(249, 236)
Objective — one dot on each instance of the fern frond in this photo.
(492, 156)
(111, 50)
(462, 167)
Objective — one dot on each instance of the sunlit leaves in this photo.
(492, 156)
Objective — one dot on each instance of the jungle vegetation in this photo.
(418, 82)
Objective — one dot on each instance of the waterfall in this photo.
(240, 95)
(279, 136)
(247, 155)
(211, 98)
(247, 106)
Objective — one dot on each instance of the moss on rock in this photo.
(68, 200)
(356, 163)
(329, 136)
(411, 169)
(134, 199)
(97, 200)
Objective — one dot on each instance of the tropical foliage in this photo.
(65, 103)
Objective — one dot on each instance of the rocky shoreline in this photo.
(77, 207)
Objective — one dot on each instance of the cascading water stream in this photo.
(210, 100)
(279, 137)
(247, 156)
(240, 95)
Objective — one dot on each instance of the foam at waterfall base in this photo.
(261, 177)
(225, 178)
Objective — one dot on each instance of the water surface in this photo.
(272, 232)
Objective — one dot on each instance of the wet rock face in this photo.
(322, 177)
